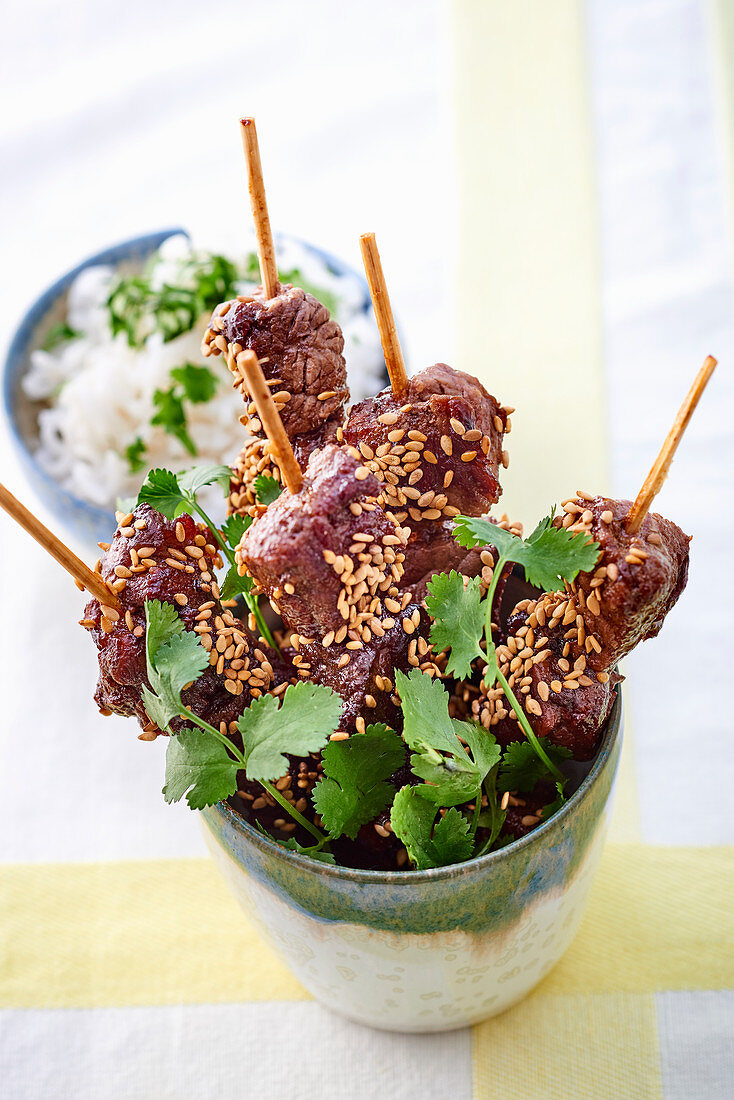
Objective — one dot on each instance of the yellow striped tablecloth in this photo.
(593, 273)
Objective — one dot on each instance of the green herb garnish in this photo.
(550, 556)
(175, 494)
(134, 454)
(59, 334)
(354, 789)
(170, 416)
(430, 843)
(267, 489)
(202, 763)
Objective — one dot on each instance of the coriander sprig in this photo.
(462, 618)
(202, 763)
(175, 494)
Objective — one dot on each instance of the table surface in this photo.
(115, 125)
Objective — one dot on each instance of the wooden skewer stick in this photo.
(654, 480)
(259, 204)
(383, 312)
(81, 573)
(250, 369)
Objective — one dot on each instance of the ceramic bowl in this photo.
(425, 950)
(88, 522)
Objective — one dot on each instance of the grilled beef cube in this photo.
(172, 561)
(300, 350)
(328, 556)
(437, 449)
(638, 578)
(255, 459)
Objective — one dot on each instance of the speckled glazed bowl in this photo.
(425, 950)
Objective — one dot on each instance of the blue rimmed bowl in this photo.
(90, 523)
(425, 950)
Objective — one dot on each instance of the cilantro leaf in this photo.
(553, 555)
(440, 758)
(174, 311)
(162, 623)
(267, 489)
(354, 789)
(457, 778)
(215, 278)
(199, 766)
(234, 528)
(174, 657)
(482, 744)
(458, 619)
(552, 807)
(425, 705)
(452, 842)
(199, 384)
(171, 417)
(521, 767)
(549, 556)
(128, 303)
(59, 334)
(412, 819)
(313, 852)
(174, 494)
(180, 661)
(471, 531)
(196, 477)
(235, 585)
(134, 454)
(449, 780)
(161, 491)
(303, 723)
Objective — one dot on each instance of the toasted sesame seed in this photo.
(468, 456)
(361, 473)
(388, 418)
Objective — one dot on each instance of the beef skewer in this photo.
(435, 440)
(561, 650)
(297, 342)
(84, 577)
(280, 446)
(330, 558)
(173, 561)
(654, 481)
(383, 314)
(259, 206)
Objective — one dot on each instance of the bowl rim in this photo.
(612, 734)
(20, 348)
